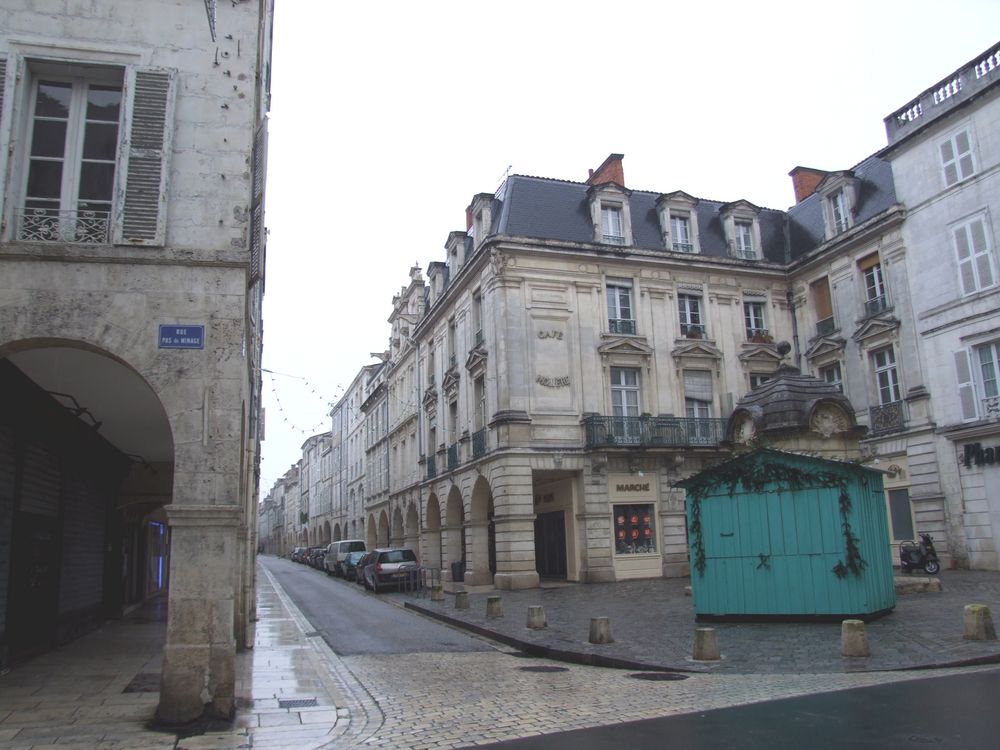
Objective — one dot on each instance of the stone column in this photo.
(477, 571)
(514, 518)
(199, 656)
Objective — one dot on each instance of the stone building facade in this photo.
(131, 276)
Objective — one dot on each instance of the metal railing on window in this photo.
(53, 225)
(876, 305)
(759, 335)
(991, 407)
(887, 418)
(693, 330)
(453, 456)
(614, 239)
(683, 247)
(478, 338)
(653, 432)
(479, 443)
(452, 361)
(825, 327)
(621, 325)
(431, 467)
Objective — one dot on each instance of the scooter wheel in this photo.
(932, 568)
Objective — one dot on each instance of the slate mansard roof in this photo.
(559, 210)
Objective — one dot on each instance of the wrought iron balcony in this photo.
(452, 456)
(826, 326)
(693, 330)
(887, 418)
(759, 335)
(479, 338)
(683, 247)
(621, 325)
(653, 432)
(877, 305)
(431, 467)
(53, 225)
(614, 239)
(479, 443)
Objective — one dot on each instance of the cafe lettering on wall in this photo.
(976, 454)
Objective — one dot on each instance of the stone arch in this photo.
(383, 529)
(481, 536)
(396, 533)
(411, 533)
(327, 534)
(336, 533)
(371, 537)
(431, 536)
(454, 529)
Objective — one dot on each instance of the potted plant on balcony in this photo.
(761, 337)
(693, 332)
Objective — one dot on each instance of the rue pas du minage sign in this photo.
(182, 337)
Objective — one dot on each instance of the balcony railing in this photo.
(452, 456)
(614, 239)
(826, 326)
(653, 432)
(683, 247)
(759, 335)
(431, 467)
(452, 361)
(479, 443)
(991, 407)
(875, 306)
(693, 330)
(621, 325)
(479, 338)
(53, 225)
(887, 418)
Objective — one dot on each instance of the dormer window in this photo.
(839, 192)
(482, 217)
(678, 222)
(742, 229)
(609, 208)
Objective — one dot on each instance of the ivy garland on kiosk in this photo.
(755, 477)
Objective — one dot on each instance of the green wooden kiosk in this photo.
(774, 534)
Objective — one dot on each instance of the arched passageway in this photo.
(454, 532)
(481, 537)
(431, 553)
(396, 535)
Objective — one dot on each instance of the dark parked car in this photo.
(359, 568)
(297, 553)
(349, 565)
(314, 557)
(389, 567)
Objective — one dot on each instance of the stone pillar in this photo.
(600, 630)
(978, 622)
(536, 617)
(854, 639)
(451, 543)
(706, 645)
(199, 656)
(477, 571)
(515, 529)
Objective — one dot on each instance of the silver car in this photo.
(390, 567)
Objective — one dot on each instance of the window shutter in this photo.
(4, 130)
(821, 298)
(966, 269)
(984, 262)
(258, 240)
(698, 384)
(144, 158)
(966, 386)
(869, 261)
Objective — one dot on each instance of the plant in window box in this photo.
(761, 337)
(693, 332)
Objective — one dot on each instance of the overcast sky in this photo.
(387, 117)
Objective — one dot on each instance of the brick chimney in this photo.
(610, 171)
(805, 180)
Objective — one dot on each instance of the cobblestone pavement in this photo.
(293, 692)
(653, 624)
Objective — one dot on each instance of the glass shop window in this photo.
(635, 530)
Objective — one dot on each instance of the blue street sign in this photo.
(182, 337)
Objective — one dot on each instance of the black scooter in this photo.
(913, 555)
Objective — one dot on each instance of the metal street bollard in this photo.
(706, 645)
(461, 600)
(979, 623)
(600, 630)
(536, 617)
(494, 606)
(853, 638)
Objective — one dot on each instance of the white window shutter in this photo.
(966, 261)
(258, 240)
(144, 157)
(966, 386)
(5, 119)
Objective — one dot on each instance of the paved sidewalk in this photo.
(653, 625)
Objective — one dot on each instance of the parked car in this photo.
(337, 552)
(350, 564)
(297, 553)
(312, 557)
(359, 569)
(390, 567)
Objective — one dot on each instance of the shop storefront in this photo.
(634, 509)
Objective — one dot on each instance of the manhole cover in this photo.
(544, 669)
(297, 703)
(658, 676)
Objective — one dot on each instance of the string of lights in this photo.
(285, 416)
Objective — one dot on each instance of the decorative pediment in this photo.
(760, 354)
(450, 383)
(627, 347)
(475, 363)
(876, 326)
(823, 346)
(430, 400)
(696, 350)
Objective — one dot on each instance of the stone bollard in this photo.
(437, 593)
(979, 623)
(600, 630)
(706, 646)
(853, 638)
(494, 606)
(536, 617)
(461, 600)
